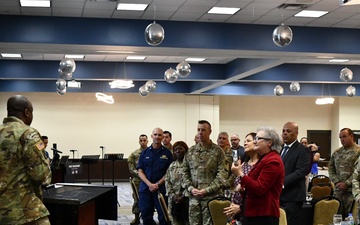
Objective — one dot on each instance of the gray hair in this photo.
(276, 139)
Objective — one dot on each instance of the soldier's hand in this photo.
(342, 186)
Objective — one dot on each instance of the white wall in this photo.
(241, 114)
(78, 121)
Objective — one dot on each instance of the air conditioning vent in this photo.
(292, 6)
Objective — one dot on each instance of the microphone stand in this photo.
(102, 152)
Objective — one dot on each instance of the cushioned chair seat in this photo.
(282, 219)
(325, 209)
(216, 207)
(319, 192)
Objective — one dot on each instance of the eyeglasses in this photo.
(261, 138)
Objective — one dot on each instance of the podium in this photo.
(113, 157)
(80, 204)
(89, 159)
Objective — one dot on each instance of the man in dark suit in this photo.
(296, 160)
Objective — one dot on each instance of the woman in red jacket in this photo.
(263, 185)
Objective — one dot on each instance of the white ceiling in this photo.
(264, 12)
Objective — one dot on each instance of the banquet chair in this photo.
(164, 207)
(216, 207)
(319, 192)
(354, 210)
(282, 219)
(325, 209)
(320, 180)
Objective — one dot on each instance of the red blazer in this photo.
(263, 186)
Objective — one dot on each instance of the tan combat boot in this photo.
(136, 221)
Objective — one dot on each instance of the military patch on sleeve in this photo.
(40, 145)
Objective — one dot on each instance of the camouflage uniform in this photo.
(204, 168)
(173, 181)
(23, 169)
(133, 160)
(341, 168)
(356, 183)
(228, 162)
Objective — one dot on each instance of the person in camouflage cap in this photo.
(204, 175)
(132, 161)
(23, 168)
(341, 168)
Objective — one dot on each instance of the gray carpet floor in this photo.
(125, 201)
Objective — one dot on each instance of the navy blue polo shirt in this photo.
(154, 163)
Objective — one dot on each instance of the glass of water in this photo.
(309, 197)
(227, 193)
(337, 219)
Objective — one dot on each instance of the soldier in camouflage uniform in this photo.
(23, 168)
(133, 160)
(341, 168)
(204, 175)
(178, 203)
(224, 144)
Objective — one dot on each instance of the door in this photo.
(323, 139)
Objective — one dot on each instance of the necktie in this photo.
(286, 148)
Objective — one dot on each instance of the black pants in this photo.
(259, 220)
(293, 212)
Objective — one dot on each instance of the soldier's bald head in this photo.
(19, 106)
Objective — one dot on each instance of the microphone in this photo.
(56, 151)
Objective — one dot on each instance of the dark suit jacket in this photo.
(296, 164)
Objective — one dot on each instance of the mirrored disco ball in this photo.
(154, 34)
(282, 35)
(183, 69)
(278, 90)
(295, 86)
(346, 75)
(61, 84)
(65, 76)
(150, 86)
(61, 92)
(67, 65)
(351, 91)
(143, 92)
(171, 76)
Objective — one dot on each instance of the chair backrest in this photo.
(282, 219)
(216, 207)
(319, 192)
(325, 209)
(354, 210)
(164, 207)
(320, 180)
(134, 189)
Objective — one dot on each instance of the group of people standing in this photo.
(268, 172)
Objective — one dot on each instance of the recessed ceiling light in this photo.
(134, 57)
(10, 55)
(311, 13)
(349, 2)
(74, 56)
(195, 59)
(223, 10)
(134, 7)
(339, 60)
(35, 3)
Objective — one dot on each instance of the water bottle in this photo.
(350, 218)
(235, 156)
